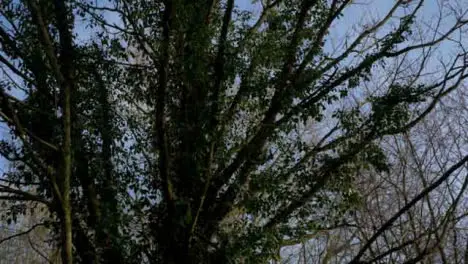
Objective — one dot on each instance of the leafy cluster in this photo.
(178, 134)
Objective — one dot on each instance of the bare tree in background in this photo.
(431, 230)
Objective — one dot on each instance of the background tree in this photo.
(154, 127)
(424, 233)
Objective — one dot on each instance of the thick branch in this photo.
(159, 94)
(220, 64)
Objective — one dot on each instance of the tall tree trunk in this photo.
(66, 79)
(109, 209)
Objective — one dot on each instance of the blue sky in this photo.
(353, 15)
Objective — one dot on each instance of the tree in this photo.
(154, 127)
(427, 232)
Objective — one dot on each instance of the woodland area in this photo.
(233, 131)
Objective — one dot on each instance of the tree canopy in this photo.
(171, 131)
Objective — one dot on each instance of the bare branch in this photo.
(408, 206)
(21, 233)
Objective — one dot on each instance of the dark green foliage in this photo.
(187, 123)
